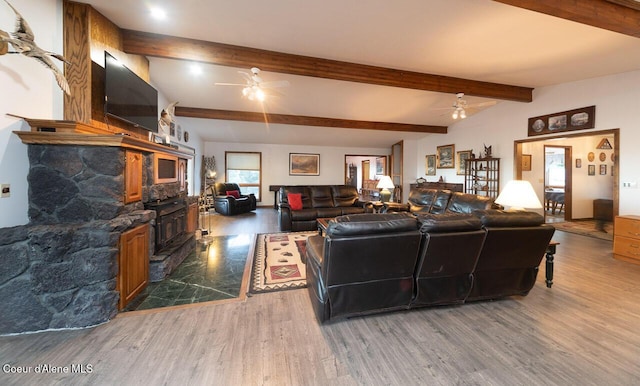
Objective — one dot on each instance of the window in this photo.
(244, 169)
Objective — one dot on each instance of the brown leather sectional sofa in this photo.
(318, 201)
(369, 263)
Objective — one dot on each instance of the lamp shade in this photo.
(519, 195)
(385, 183)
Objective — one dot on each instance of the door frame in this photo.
(517, 157)
(568, 178)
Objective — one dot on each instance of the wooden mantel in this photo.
(52, 132)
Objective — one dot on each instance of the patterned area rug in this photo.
(587, 228)
(277, 265)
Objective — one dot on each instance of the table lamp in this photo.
(385, 184)
(519, 195)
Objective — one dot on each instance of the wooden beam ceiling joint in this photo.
(250, 116)
(163, 46)
(622, 16)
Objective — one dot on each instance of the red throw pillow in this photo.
(234, 193)
(295, 200)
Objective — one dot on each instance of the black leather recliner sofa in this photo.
(365, 263)
(227, 202)
(368, 263)
(318, 201)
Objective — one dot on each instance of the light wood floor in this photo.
(583, 331)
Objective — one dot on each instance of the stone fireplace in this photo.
(61, 269)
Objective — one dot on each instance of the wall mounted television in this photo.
(128, 97)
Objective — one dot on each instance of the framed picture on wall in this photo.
(592, 170)
(381, 166)
(462, 156)
(578, 119)
(301, 164)
(430, 165)
(603, 170)
(578, 163)
(445, 157)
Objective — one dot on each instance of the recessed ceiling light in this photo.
(196, 69)
(158, 13)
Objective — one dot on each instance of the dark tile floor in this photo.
(213, 271)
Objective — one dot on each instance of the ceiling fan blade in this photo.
(229, 84)
(246, 76)
(275, 84)
(483, 104)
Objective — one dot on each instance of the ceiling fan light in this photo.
(259, 94)
(463, 114)
(455, 114)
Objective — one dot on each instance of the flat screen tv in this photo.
(128, 97)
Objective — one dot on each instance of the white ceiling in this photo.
(473, 39)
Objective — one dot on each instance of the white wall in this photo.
(27, 89)
(617, 101)
(275, 163)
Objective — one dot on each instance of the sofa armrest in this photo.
(224, 198)
(395, 207)
(284, 217)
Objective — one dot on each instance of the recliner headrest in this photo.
(503, 218)
(371, 223)
(449, 222)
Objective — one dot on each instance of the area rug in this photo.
(277, 264)
(586, 228)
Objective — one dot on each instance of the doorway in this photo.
(594, 169)
(365, 170)
(557, 183)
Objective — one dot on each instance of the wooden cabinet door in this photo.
(133, 176)
(192, 218)
(133, 263)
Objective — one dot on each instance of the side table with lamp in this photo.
(385, 184)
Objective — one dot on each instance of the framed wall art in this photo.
(578, 119)
(578, 163)
(462, 157)
(603, 170)
(381, 166)
(592, 170)
(445, 157)
(430, 165)
(302, 164)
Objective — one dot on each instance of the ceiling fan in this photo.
(460, 106)
(254, 88)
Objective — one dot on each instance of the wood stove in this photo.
(171, 221)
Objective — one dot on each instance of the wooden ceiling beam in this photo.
(148, 44)
(249, 116)
(613, 15)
